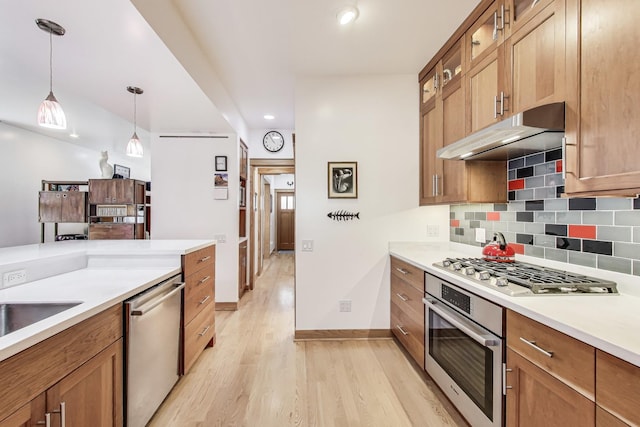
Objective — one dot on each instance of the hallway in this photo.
(256, 375)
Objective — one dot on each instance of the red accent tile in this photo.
(455, 223)
(518, 248)
(582, 231)
(493, 216)
(558, 166)
(516, 184)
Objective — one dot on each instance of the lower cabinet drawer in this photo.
(110, 231)
(197, 335)
(562, 356)
(198, 294)
(618, 387)
(409, 332)
(408, 298)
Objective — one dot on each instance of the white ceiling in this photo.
(241, 58)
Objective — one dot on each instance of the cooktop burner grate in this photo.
(540, 280)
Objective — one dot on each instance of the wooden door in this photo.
(538, 399)
(285, 220)
(30, 415)
(73, 206)
(431, 141)
(454, 177)
(603, 109)
(242, 268)
(50, 205)
(536, 54)
(92, 394)
(483, 95)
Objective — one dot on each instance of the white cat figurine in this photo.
(105, 168)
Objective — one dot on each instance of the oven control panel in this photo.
(456, 298)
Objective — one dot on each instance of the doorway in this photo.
(260, 209)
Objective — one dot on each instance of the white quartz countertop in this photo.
(98, 274)
(607, 322)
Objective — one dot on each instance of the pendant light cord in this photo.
(51, 61)
(134, 112)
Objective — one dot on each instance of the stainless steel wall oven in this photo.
(464, 350)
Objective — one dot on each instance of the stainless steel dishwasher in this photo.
(151, 348)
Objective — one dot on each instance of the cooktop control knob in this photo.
(469, 271)
(446, 263)
(457, 266)
(502, 281)
(484, 275)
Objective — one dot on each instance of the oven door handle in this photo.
(462, 324)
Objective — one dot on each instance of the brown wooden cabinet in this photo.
(536, 398)
(117, 209)
(407, 310)
(63, 206)
(242, 268)
(80, 367)
(602, 125)
(617, 390)
(550, 376)
(535, 55)
(198, 323)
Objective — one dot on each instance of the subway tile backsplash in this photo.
(594, 232)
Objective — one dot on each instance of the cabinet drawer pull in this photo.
(63, 414)
(402, 297)
(405, 333)
(533, 344)
(205, 299)
(204, 279)
(402, 270)
(205, 330)
(208, 257)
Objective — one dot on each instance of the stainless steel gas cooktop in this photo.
(521, 279)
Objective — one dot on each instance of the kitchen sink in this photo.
(14, 316)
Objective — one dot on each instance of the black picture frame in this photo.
(120, 171)
(221, 163)
(342, 180)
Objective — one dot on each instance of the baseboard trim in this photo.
(226, 306)
(342, 334)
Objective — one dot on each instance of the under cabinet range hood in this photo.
(531, 131)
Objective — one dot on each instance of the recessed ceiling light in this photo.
(347, 15)
(269, 117)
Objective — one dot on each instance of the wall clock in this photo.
(273, 141)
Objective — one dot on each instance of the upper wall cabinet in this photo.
(603, 106)
(443, 121)
(535, 54)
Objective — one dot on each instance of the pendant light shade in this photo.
(134, 147)
(50, 113)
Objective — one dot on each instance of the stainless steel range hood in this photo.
(534, 130)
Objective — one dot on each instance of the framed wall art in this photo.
(120, 171)
(221, 163)
(342, 180)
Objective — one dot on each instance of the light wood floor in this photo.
(256, 375)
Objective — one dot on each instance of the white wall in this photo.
(183, 204)
(372, 120)
(26, 158)
(280, 181)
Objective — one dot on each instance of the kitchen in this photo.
(380, 139)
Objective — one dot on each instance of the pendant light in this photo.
(134, 147)
(50, 114)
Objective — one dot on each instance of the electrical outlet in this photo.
(345, 306)
(13, 278)
(220, 238)
(481, 235)
(307, 246)
(433, 230)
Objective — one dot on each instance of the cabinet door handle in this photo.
(540, 349)
(402, 270)
(205, 299)
(495, 25)
(436, 81)
(204, 280)
(205, 330)
(437, 187)
(46, 422)
(535, 2)
(564, 157)
(502, 107)
(208, 257)
(402, 297)
(505, 387)
(405, 333)
(495, 107)
(63, 414)
(502, 20)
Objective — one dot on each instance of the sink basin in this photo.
(14, 316)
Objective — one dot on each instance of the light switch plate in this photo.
(307, 246)
(433, 230)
